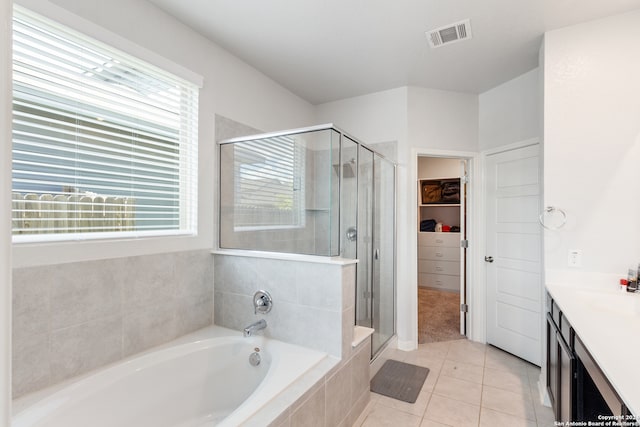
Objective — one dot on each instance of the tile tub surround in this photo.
(71, 318)
(313, 306)
(335, 400)
(313, 301)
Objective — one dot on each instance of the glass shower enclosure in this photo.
(316, 191)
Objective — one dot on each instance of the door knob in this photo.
(488, 259)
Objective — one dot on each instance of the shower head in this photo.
(348, 169)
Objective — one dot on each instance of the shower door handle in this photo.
(352, 234)
(376, 254)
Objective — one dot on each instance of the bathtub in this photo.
(203, 379)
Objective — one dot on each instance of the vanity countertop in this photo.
(607, 321)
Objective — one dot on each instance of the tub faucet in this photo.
(256, 326)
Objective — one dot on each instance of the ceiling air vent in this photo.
(449, 33)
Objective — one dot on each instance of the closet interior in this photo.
(441, 255)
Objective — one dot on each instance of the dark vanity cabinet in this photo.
(561, 365)
(578, 389)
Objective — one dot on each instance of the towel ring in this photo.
(550, 210)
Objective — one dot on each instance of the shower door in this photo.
(364, 273)
(383, 263)
(375, 284)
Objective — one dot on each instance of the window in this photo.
(269, 187)
(104, 144)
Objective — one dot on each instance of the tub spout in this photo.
(249, 330)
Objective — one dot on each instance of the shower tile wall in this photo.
(318, 200)
(312, 238)
(227, 129)
(71, 318)
(313, 302)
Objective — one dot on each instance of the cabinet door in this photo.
(595, 396)
(552, 364)
(566, 382)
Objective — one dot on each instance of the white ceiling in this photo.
(325, 50)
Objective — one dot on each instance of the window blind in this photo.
(103, 143)
(269, 183)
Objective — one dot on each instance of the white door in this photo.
(513, 252)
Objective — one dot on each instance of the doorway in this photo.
(441, 248)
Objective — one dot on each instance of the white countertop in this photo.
(607, 321)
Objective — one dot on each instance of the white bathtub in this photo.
(204, 379)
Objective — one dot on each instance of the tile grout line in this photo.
(421, 418)
(484, 367)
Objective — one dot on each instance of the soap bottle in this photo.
(623, 284)
(632, 280)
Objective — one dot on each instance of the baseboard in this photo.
(542, 393)
(406, 345)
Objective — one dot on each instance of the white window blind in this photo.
(269, 183)
(104, 144)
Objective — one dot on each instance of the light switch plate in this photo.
(575, 258)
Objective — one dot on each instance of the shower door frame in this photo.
(374, 352)
(341, 231)
(383, 344)
(394, 165)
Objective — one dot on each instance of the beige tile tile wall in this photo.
(314, 306)
(310, 300)
(338, 399)
(469, 384)
(69, 319)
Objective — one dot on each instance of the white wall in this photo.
(5, 215)
(416, 118)
(442, 120)
(592, 142)
(231, 88)
(372, 118)
(510, 113)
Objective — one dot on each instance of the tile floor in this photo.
(469, 384)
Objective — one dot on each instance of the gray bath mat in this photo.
(399, 380)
